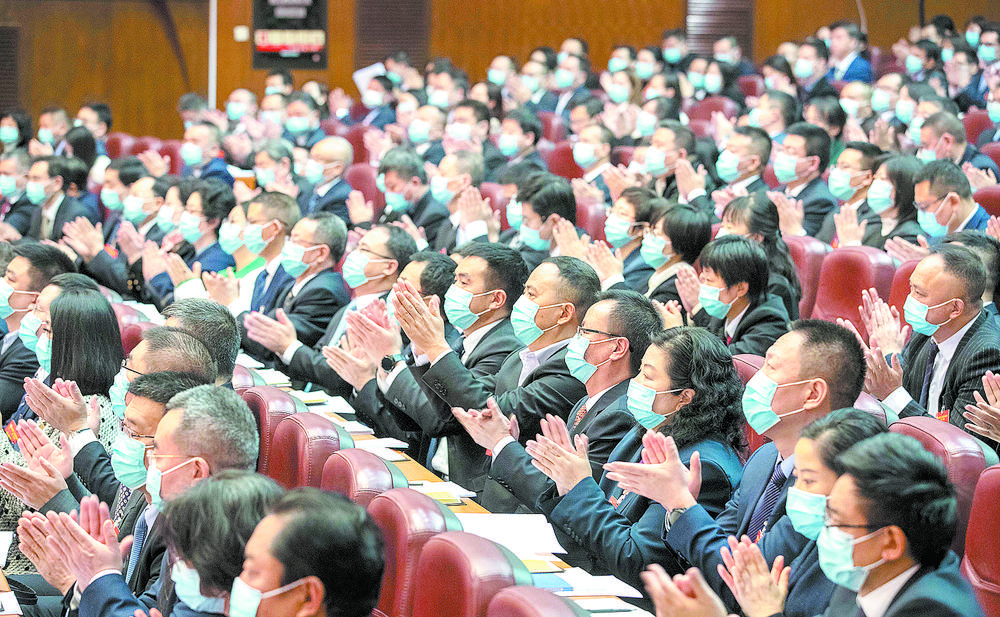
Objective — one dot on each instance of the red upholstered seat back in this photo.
(981, 563)
(807, 254)
(270, 406)
(747, 366)
(119, 144)
(553, 127)
(989, 197)
(532, 602)
(361, 177)
(172, 148)
(962, 455)
(976, 121)
(360, 475)
(561, 163)
(132, 334)
(147, 142)
(704, 109)
(302, 443)
(498, 201)
(751, 85)
(245, 378)
(845, 273)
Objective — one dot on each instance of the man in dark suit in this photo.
(456, 173)
(799, 166)
(328, 160)
(817, 366)
(531, 383)
(425, 133)
(31, 269)
(529, 90)
(302, 310)
(376, 98)
(943, 134)
(671, 142)
(407, 194)
(895, 508)
(741, 165)
(570, 84)
(469, 129)
(202, 153)
(810, 71)
(727, 50)
(849, 182)
(845, 62)
(53, 208)
(614, 335)
(942, 194)
(519, 135)
(16, 208)
(302, 127)
(592, 154)
(954, 342)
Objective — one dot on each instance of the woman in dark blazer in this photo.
(687, 389)
(891, 197)
(677, 234)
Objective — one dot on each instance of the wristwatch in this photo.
(389, 362)
(672, 516)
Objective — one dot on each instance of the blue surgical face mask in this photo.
(297, 124)
(523, 319)
(117, 393)
(697, 80)
(253, 238)
(235, 110)
(988, 54)
(640, 400)
(728, 165)
(440, 191)
(785, 168)
(154, 480)
(508, 144)
(914, 64)
(128, 461)
(8, 185)
(244, 600)
(708, 296)
(840, 184)
(9, 135)
(46, 137)
(396, 202)
(229, 237)
(354, 268)
(28, 330)
(314, 172)
(806, 511)
(43, 351)
(836, 557)
(672, 55)
(915, 313)
(616, 64)
(645, 123)
(564, 79)
(515, 214)
(457, 302)
(575, 352)
(191, 227)
(132, 209)
(618, 93)
(758, 398)
(459, 131)
(972, 38)
(904, 110)
(187, 585)
(656, 162)
(929, 223)
(532, 239)
(644, 70)
(165, 218)
(291, 257)
(264, 175)
(584, 155)
(880, 196)
(803, 68)
(111, 199)
(880, 100)
(6, 291)
(191, 154)
(992, 108)
(713, 83)
(35, 192)
(616, 230)
(651, 251)
(496, 76)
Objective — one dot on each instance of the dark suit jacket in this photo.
(216, 168)
(19, 215)
(579, 95)
(323, 297)
(932, 592)
(760, 326)
(828, 229)
(434, 153)
(466, 458)
(334, 201)
(817, 202)
(279, 286)
(778, 285)
(704, 202)
(697, 538)
(988, 136)
(979, 219)
(546, 103)
(16, 363)
(426, 213)
(112, 272)
(976, 353)
(622, 533)
(907, 230)
(979, 160)
(69, 210)
(533, 159)
(515, 481)
(212, 259)
(809, 590)
(384, 115)
(822, 87)
(493, 161)
(148, 564)
(636, 272)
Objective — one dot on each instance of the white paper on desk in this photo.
(382, 452)
(6, 539)
(335, 404)
(610, 605)
(313, 398)
(586, 584)
(523, 534)
(272, 377)
(354, 427)
(384, 442)
(244, 360)
(442, 487)
(364, 75)
(8, 604)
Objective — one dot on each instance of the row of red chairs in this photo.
(122, 144)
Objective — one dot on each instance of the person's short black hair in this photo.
(580, 284)
(69, 280)
(56, 166)
(331, 231)
(75, 173)
(699, 360)
(789, 106)
(405, 162)
(129, 169)
(23, 121)
(684, 138)
(964, 264)
(901, 170)
(192, 101)
(988, 249)
(217, 199)
(551, 57)
(902, 484)
(849, 27)
(870, 154)
(737, 260)
(944, 177)
(173, 349)
(505, 268)
(165, 385)
(528, 122)
(384, 81)
(760, 142)
(821, 51)
(45, 262)
(479, 109)
(399, 56)
(817, 140)
(832, 353)
(641, 199)
(162, 185)
(86, 343)
(944, 24)
(592, 105)
(517, 173)
(943, 123)
(304, 98)
(438, 274)
(82, 144)
(555, 197)
(931, 49)
(284, 74)
(319, 524)
(214, 325)
(400, 245)
(838, 430)
(688, 228)
(677, 33)
(635, 318)
(208, 525)
(102, 110)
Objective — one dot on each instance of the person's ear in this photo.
(622, 347)
(958, 310)
(741, 289)
(893, 544)
(498, 300)
(685, 398)
(818, 391)
(314, 597)
(391, 267)
(566, 314)
(202, 469)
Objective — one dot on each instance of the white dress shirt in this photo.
(876, 602)
(531, 360)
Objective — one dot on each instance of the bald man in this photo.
(324, 170)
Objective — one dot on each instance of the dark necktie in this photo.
(925, 388)
(259, 286)
(765, 507)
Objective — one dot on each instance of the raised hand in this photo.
(32, 530)
(359, 210)
(179, 272)
(35, 446)
(61, 405)
(565, 468)
(566, 239)
(901, 250)
(274, 334)
(665, 479)
(223, 288)
(606, 262)
(761, 591)
(422, 324)
(486, 427)
(684, 595)
(882, 379)
(790, 213)
(688, 288)
(850, 232)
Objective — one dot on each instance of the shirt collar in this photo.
(745, 182)
(947, 347)
(543, 354)
(144, 229)
(735, 322)
(795, 192)
(50, 210)
(323, 189)
(455, 218)
(658, 278)
(8, 340)
(297, 287)
(968, 218)
(473, 339)
(592, 175)
(597, 396)
(787, 465)
(845, 64)
(876, 602)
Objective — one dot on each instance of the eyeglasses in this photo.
(137, 436)
(131, 370)
(371, 252)
(580, 331)
(927, 204)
